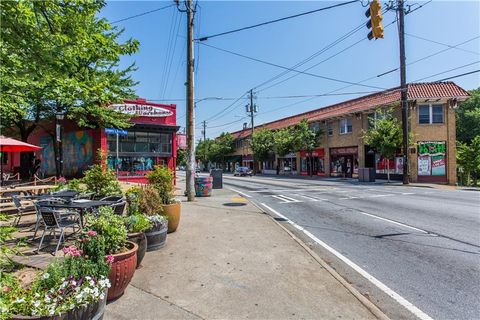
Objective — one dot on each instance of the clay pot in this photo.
(156, 236)
(172, 212)
(122, 270)
(141, 240)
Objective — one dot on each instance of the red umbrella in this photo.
(12, 145)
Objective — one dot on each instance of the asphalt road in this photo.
(422, 243)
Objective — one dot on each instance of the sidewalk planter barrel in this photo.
(91, 311)
(172, 212)
(122, 270)
(156, 236)
(141, 240)
(203, 186)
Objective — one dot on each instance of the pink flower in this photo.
(91, 233)
(72, 251)
(110, 259)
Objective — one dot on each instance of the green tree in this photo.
(181, 157)
(202, 151)
(468, 158)
(306, 139)
(284, 141)
(468, 118)
(220, 147)
(59, 57)
(385, 136)
(262, 144)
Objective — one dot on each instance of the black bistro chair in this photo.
(57, 220)
(113, 198)
(119, 208)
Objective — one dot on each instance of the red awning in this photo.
(12, 145)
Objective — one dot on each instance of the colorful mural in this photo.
(77, 153)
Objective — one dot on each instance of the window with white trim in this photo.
(374, 116)
(329, 129)
(430, 113)
(345, 125)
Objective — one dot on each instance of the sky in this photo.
(222, 79)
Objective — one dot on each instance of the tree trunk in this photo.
(388, 170)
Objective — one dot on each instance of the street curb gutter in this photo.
(363, 300)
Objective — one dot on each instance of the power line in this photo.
(459, 75)
(450, 70)
(287, 68)
(141, 14)
(443, 44)
(276, 20)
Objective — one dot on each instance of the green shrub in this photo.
(110, 227)
(137, 223)
(133, 200)
(150, 203)
(161, 178)
(100, 179)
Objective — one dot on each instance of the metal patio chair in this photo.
(86, 196)
(119, 208)
(113, 198)
(57, 220)
(22, 209)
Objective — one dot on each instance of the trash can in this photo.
(203, 186)
(369, 175)
(217, 175)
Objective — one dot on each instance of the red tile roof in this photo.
(414, 91)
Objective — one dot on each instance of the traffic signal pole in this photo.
(403, 88)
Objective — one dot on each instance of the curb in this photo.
(363, 300)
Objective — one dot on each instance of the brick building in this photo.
(341, 150)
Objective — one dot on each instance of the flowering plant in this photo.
(106, 230)
(63, 286)
(158, 219)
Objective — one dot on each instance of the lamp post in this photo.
(58, 128)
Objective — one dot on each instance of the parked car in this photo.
(242, 172)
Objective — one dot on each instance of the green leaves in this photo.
(468, 159)
(262, 144)
(468, 118)
(284, 141)
(385, 136)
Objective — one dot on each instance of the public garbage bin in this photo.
(217, 175)
(203, 186)
(366, 174)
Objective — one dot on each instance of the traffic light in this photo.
(375, 22)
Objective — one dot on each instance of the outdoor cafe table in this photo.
(81, 205)
(31, 189)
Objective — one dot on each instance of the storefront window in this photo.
(431, 158)
(132, 165)
(344, 161)
(141, 142)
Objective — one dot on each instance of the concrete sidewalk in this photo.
(228, 260)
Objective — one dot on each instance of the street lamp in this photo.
(59, 116)
(207, 98)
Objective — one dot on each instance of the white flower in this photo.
(36, 303)
(46, 275)
(102, 296)
(88, 278)
(18, 300)
(47, 299)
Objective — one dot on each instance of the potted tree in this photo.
(107, 233)
(150, 205)
(161, 179)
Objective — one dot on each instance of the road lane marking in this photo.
(310, 198)
(291, 190)
(240, 192)
(285, 199)
(405, 193)
(404, 302)
(380, 195)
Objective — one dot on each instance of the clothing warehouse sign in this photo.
(141, 110)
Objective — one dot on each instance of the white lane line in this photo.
(350, 198)
(405, 193)
(395, 222)
(285, 199)
(309, 198)
(401, 300)
(380, 195)
(291, 190)
(240, 192)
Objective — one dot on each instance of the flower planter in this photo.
(156, 236)
(141, 240)
(122, 270)
(92, 311)
(172, 211)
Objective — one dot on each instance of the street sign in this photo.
(120, 132)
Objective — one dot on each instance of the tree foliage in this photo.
(181, 157)
(58, 56)
(220, 147)
(305, 138)
(262, 144)
(284, 141)
(385, 136)
(468, 158)
(202, 150)
(468, 118)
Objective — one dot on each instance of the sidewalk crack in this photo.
(165, 300)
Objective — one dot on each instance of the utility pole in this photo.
(205, 143)
(252, 109)
(403, 88)
(190, 181)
